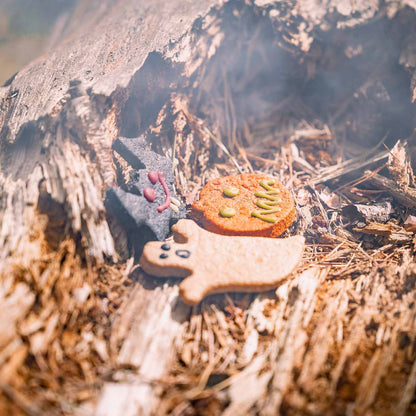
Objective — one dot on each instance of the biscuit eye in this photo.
(231, 191)
(149, 194)
(164, 256)
(153, 176)
(227, 212)
(165, 247)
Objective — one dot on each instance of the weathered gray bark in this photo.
(58, 119)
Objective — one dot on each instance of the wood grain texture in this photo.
(83, 335)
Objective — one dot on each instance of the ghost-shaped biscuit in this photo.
(213, 263)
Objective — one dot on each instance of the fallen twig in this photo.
(405, 197)
(349, 166)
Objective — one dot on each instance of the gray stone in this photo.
(139, 217)
(137, 154)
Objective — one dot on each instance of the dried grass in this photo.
(292, 351)
(339, 335)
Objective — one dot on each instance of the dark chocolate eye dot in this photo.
(163, 256)
(165, 247)
(183, 253)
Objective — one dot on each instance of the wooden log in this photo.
(82, 334)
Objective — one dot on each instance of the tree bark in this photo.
(83, 331)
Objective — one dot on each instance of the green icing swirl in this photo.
(268, 206)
